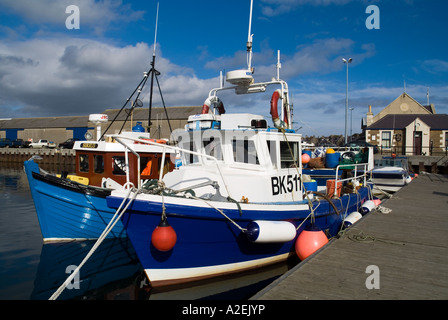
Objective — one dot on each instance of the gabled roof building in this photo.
(406, 127)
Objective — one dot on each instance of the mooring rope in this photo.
(101, 238)
(361, 237)
(187, 195)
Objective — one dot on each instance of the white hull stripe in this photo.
(182, 274)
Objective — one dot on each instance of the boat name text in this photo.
(285, 184)
(89, 145)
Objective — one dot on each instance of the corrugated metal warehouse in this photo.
(59, 129)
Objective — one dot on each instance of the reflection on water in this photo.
(114, 260)
(31, 270)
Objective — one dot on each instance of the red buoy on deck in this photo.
(309, 241)
(164, 237)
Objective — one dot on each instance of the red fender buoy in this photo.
(164, 237)
(309, 241)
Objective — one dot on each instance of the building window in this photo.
(386, 139)
(446, 141)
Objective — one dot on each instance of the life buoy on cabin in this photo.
(208, 102)
(274, 111)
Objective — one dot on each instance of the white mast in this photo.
(249, 40)
(155, 35)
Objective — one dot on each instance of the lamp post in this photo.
(351, 118)
(346, 96)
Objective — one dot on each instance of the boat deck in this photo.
(409, 245)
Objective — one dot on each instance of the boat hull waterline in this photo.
(209, 244)
(68, 211)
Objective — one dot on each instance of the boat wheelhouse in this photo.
(103, 163)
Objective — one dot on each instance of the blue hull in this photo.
(68, 211)
(206, 240)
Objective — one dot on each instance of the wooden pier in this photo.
(49, 156)
(398, 255)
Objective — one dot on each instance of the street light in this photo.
(346, 97)
(351, 118)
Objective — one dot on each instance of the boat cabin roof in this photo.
(244, 140)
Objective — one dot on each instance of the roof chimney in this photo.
(369, 116)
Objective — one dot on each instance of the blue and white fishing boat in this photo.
(239, 200)
(73, 206)
(68, 210)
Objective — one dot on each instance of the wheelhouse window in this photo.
(212, 147)
(98, 163)
(244, 151)
(386, 139)
(189, 157)
(146, 166)
(84, 163)
(118, 165)
(288, 154)
(272, 148)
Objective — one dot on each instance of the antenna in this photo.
(155, 35)
(153, 71)
(279, 65)
(249, 40)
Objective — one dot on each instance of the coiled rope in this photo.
(361, 237)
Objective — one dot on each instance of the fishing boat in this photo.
(73, 206)
(390, 174)
(239, 200)
(70, 207)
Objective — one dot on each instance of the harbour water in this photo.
(30, 270)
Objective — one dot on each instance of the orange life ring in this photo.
(207, 103)
(274, 110)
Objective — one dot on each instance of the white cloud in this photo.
(278, 7)
(97, 15)
(60, 76)
(323, 56)
(435, 66)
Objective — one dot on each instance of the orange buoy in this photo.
(330, 150)
(309, 241)
(305, 158)
(164, 237)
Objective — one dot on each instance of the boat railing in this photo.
(165, 148)
(356, 174)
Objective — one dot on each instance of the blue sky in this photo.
(49, 70)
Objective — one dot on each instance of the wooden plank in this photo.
(409, 246)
